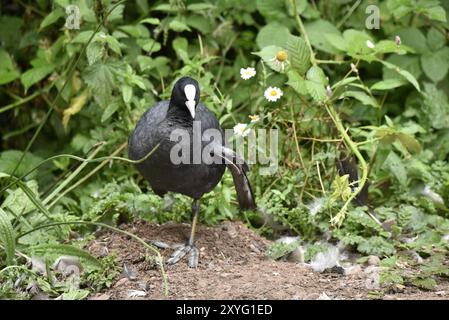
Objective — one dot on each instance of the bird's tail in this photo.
(238, 168)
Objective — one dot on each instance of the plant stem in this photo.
(303, 31)
(20, 102)
(338, 219)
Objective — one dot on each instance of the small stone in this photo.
(296, 255)
(440, 293)
(353, 270)
(324, 296)
(373, 260)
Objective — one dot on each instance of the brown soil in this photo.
(232, 266)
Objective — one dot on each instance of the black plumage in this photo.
(191, 179)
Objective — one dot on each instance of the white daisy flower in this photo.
(247, 73)
(280, 59)
(369, 44)
(240, 129)
(273, 94)
(254, 118)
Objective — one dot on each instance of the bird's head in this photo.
(186, 94)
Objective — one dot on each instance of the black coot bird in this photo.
(191, 178)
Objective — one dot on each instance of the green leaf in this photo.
(337, 41)
(109, 111)
(8, 71)
(34, 75)
(178, 26)
(435, 39)
(409, 142)
(127, 92)
(316, 74)
(100, 79)
(414, 38)
(436, 13)
(316, 90)
(9, 159)
(7, 237)
(273, 34)
(362, 97)
(153, 21)
(318, 31)
(94, 52)
(297, 82)
(272, 9)
(388, 84)
(299, 54)
(407, 75)
(52, 18)
(436, 64)
(396, 168)
(149, 45)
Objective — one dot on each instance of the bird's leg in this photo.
(190, 246)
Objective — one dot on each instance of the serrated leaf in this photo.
(436, 13)
(435, 39)
(407, 75)
(8, 71)
(317, 31)
(7, 237)
(297, 82)
(268, 55)
(299, 54)
(337, 41)
(436, 64)
(273, 34)
(316, 91)
(100, 79)
(94, 52)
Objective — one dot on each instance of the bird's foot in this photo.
(180, 252)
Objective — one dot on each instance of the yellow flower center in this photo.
(248, 73)
(281, 56)
(273, 93)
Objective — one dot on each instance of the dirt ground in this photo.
(232, 265)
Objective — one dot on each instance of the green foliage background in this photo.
(80, 92)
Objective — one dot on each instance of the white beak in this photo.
(191, 106)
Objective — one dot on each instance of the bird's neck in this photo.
(179, 114)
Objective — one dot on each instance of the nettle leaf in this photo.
(101, 80)
(297, 82)
(393, 163)
(9, 159)
(149, 45)
(436, 106)
(414, 38)
(337, 41)
(8, 71)
(273, 34)
(94, 52)
(407, 75)
(299, 54)
(388, 46)
(272, 9)
(436, 64)
(316, 83)
(317, 32)
(435, 39)
(436, 13)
